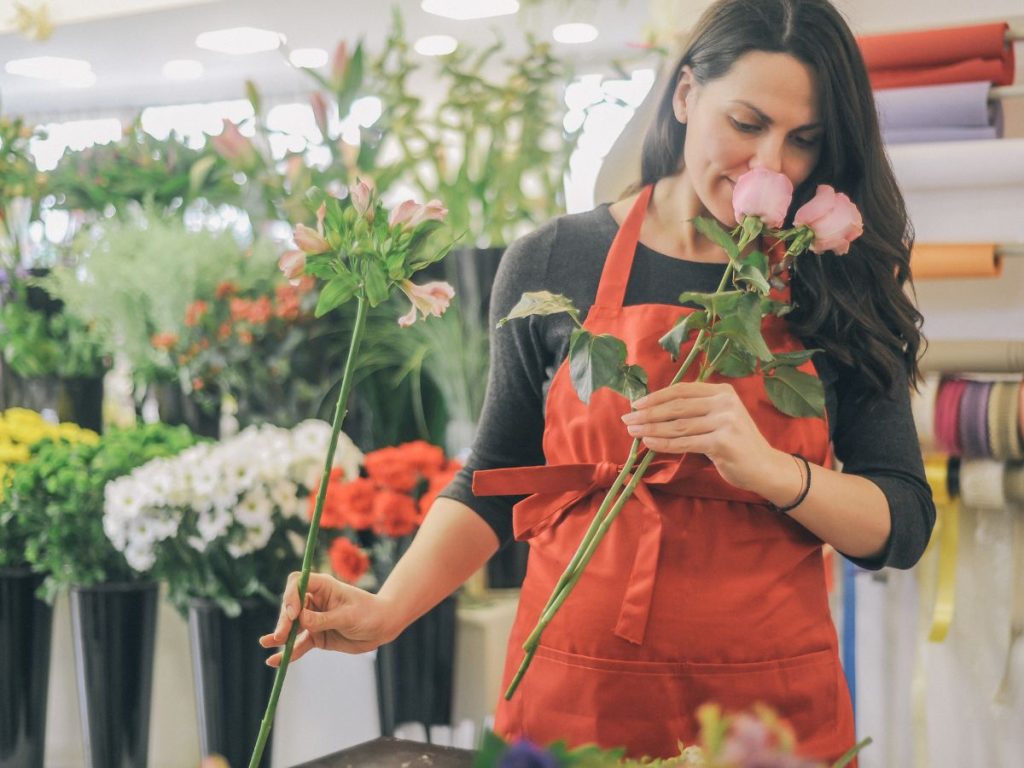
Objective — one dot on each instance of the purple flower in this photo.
(525, 754)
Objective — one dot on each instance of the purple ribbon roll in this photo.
(973, 426)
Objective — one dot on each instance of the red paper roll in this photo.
(947, 415)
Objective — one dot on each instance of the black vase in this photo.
(415, 671)
(114, 632)
(25, 624)
(231, 679)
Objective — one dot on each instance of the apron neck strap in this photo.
(612, 289)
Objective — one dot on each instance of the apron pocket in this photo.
(648, 707)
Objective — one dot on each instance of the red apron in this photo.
(699, 592)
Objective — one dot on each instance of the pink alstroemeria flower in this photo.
(231, 144)
(411, 214)
(293, 265)
(834, 219)
(429, 299)
(319, 106)
(762, 193)
(339, 64)
(361, 193)
(311, 240)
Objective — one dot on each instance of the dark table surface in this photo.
(387, 752)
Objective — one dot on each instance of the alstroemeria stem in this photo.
(340, 410)
(602, 521)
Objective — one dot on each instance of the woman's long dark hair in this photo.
(853, 306)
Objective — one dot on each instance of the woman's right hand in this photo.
(337, 617)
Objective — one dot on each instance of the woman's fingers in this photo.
(682, 427)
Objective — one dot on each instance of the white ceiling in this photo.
(128, 41)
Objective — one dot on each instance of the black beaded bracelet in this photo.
(804, 490)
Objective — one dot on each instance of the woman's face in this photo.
(762, 113)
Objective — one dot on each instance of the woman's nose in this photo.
(768, 155)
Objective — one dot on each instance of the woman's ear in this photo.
(684, 93)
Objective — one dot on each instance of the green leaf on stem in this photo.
(795, 393)
(674, 339)
(753, 270)
(743, 326)
(791, 359)
(336, 292)
(720, 304)
(376, 281)
(713, 231)
(774, 307)
(734, 362)
(198, 172)
(600, 361)
(542, 303)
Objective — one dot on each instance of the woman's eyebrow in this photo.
(764, 118)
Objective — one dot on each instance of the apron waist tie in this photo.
(557, 490)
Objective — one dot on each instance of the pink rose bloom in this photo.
(762, 193)
(834, 219)
(430, 299)
(293, 265)
(361, 194)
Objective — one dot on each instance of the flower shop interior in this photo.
(167, 395)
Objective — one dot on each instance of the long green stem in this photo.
(604, 517)
(340, 411)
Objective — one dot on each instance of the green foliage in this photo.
(18, 174)
(37, 344)
(134, 279)
(541, 303)
(597, 361)
(53, 510)
(160, 173)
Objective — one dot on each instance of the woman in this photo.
(710, 585)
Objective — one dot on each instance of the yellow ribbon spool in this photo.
(947, 536)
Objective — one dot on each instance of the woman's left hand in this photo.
(698, 417)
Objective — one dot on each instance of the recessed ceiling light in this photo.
(239, 41)
(575, 33)
(183, 69)
(308, 58)
(436, 45)
(51, 68)
(470, 9)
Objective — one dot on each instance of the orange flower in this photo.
(239, 309)
(224, 331)
(427, 458)
(245, 336)
(198, 384)
(355, 502)
(164, 340)
(224, 289)
(348, 561)
(195, 312)
(392, 468)
(394, 514)
(260, 310)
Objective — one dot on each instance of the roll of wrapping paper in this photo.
(967, 165)
(981, 483)
(929, 135)
(1004, 438)
(922, 403)
(934, 56)
(947, 415)
(954, 260)
(974, 420)
(938, 107)
(1013, 491)
(946, 538)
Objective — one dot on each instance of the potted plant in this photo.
(119, 284)
(25, 620)
(221, 524)
(368, 522)
(55, 500)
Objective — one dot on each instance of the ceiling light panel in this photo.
(463, 10)
(436, 45)
(240, 41)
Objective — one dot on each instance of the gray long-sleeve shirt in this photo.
(873, 436)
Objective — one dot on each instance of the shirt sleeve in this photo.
(511, 428)
(875, 437)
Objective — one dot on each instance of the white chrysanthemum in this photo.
(213, 524)
(254, 508)
(140, 557)
(283, 495)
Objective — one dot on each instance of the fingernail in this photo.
(290, 612)
(639, 403)
(633, 430)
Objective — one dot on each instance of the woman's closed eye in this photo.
(803, 142)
